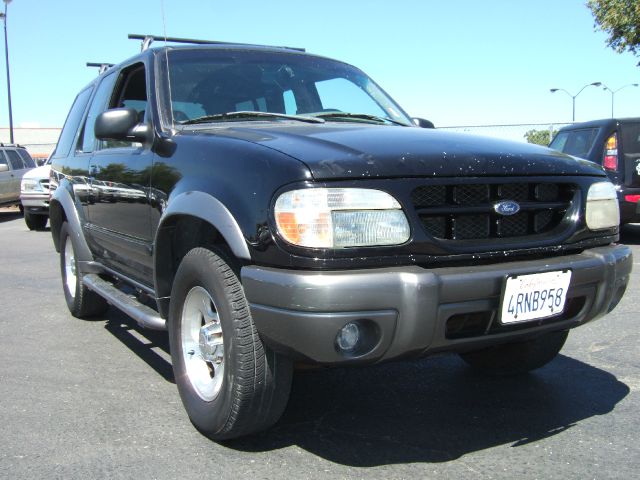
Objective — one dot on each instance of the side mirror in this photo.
(120, 124)
(4, 167)
(423, 123)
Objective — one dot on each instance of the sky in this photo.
(456, 63)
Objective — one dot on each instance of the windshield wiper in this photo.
(249, 115)
(358, 116)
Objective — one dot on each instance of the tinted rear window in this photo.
(575, 142)
(631, 138)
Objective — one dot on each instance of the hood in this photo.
(38, 173)
(341, 151)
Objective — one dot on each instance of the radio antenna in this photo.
(166, 58)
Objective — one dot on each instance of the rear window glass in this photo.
(26, 158)
(575, 142)
(631, 138)
(16, 160)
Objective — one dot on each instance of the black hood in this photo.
(339, 151)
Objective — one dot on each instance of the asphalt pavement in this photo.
(96, 399)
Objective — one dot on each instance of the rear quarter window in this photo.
(575, 142)
(26, 158)
(72, 123)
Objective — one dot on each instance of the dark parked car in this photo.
(614, 144)
(275, 206)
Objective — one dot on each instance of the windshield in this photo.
(207, 83)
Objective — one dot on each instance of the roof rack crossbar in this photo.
(148, 39)
(103, 67)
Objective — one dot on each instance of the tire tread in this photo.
(262, 379)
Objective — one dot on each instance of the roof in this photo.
(604, 122)
(147, 40)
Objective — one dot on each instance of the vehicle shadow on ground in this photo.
(433, 410)
(630, 234)
(7, 215)
(145, 343)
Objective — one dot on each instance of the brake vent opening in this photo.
(478, 324)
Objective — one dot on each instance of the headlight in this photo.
(340, 217)
(30, 185)
(602, 206)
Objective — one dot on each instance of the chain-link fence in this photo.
(516, 132)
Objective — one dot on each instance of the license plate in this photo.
(534, 296)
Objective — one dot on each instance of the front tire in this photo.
(81, 301)
(517, 358)
(35, 222)
(231, 384)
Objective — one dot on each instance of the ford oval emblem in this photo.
(507, 207)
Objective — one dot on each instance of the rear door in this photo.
(19, 168)
(5, 178)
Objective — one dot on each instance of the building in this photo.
(39, 142)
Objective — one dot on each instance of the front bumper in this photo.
(35, 203)
(413, 311)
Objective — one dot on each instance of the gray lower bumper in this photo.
(412, 310)
(35, 203)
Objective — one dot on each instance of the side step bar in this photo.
(145, 316)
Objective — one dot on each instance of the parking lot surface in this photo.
(96, 399)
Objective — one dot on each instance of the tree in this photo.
(539, 137)
(620, 19)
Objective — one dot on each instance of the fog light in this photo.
(348, 337)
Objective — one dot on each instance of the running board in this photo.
(145, 316)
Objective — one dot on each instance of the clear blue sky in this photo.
(459, 62)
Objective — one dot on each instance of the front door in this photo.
(119, 224)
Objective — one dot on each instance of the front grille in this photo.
(467, 211)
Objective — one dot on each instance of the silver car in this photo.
(34, 195)
(15, 161)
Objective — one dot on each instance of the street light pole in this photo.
(573, 97)
(613, 92)
(6, 54)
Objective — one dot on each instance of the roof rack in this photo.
(102, 66)
(147, 40)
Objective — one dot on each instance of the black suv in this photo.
(614, 144)
(268, 206)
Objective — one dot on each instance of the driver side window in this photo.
(98, 105)
(130, 92)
